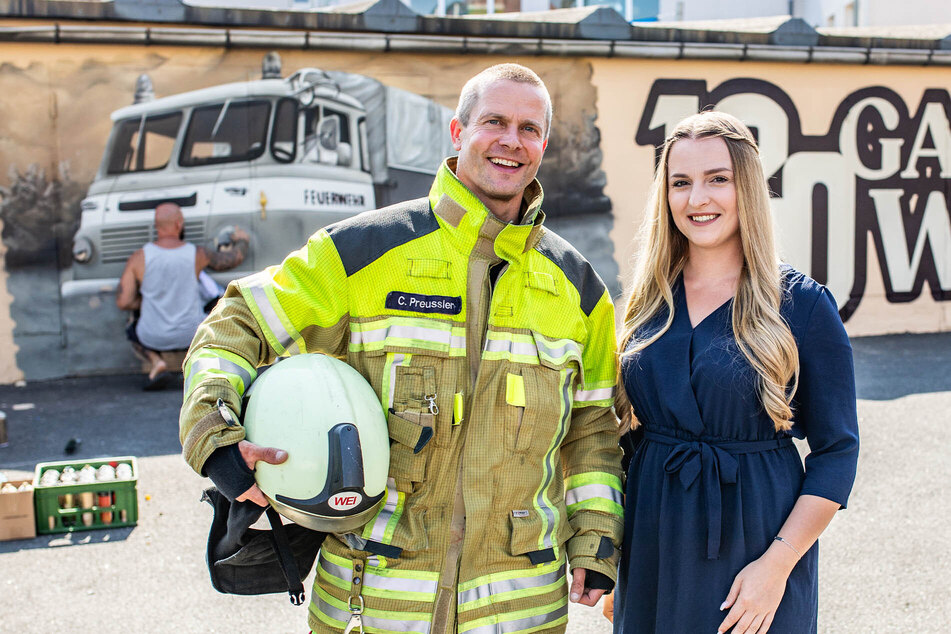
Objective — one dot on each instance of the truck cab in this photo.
(277, 157)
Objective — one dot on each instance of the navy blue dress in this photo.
(712, 482)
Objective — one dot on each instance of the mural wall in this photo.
(859, 160)
(55, 128)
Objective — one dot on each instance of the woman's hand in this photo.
(607, 608)
(757, 591)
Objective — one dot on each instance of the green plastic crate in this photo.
(59, 507)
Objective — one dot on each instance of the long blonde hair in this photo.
(761, 334)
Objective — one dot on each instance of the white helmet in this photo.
(330, 422)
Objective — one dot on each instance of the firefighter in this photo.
(490, 343)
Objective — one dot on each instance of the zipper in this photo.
(444, 614)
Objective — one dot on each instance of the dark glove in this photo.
(594, 580)
(228, 470)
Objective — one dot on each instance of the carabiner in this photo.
(433, 408)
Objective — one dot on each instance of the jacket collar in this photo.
(464, 213)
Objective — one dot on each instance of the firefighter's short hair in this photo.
(512, 72)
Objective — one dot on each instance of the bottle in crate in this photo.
(99, 493)
(105, 502)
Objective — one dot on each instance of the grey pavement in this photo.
(885, 564)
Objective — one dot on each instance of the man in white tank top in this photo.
(160, 281)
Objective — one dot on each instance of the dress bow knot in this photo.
(714, 466)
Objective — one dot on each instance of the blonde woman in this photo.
(727, 355)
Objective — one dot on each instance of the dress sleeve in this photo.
(825, 408)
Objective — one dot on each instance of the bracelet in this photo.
(791, 547)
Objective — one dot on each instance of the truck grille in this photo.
(118, 243)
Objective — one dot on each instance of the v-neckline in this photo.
(683, 291)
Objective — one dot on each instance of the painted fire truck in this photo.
(279, 157)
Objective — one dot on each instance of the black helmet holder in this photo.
(247, 561)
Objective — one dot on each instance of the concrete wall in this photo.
(860, 158)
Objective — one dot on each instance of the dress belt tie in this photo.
(715, 464)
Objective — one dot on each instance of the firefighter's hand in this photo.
(607, 608)
(252, 454)
(578, 593)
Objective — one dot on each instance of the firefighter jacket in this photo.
(504, 459)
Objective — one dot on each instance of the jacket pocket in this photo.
(400, 522)
(410, 433)
(415, 387)
(414, 361)
(549, 388)
(537, 537)
(397, 529)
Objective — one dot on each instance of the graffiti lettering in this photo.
(935, 230)
(879, 172)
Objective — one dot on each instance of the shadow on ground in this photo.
(112, 416)
(108, 415)
(892, 366)
(77, 539)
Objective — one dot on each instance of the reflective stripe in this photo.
(393, 587)
(493, 588)
(507, 345)
(519, 621)
(594, 477)
(408, 585)
(214, 361)
(408, 333)
(588, 396)
(340, 576)
(389, 375)
(382, 526)
(513, 347)
(594, 496)
(287, 342)
(529, 348)
(334, 612)
(543, 505)
(557, 351)
(582, 493)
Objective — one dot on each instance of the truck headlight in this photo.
(82, 250)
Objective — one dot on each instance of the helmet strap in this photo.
(286, 558)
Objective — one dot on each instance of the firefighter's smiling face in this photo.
(501, 146)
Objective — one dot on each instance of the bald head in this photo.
(168, 220)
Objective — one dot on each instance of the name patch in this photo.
(398, 300)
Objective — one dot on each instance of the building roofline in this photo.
(384, 25)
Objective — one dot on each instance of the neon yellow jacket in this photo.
(520, 467)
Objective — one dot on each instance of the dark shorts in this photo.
(133, 336)
(130, 333)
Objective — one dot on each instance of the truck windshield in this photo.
(143, 143)
(225, 133)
